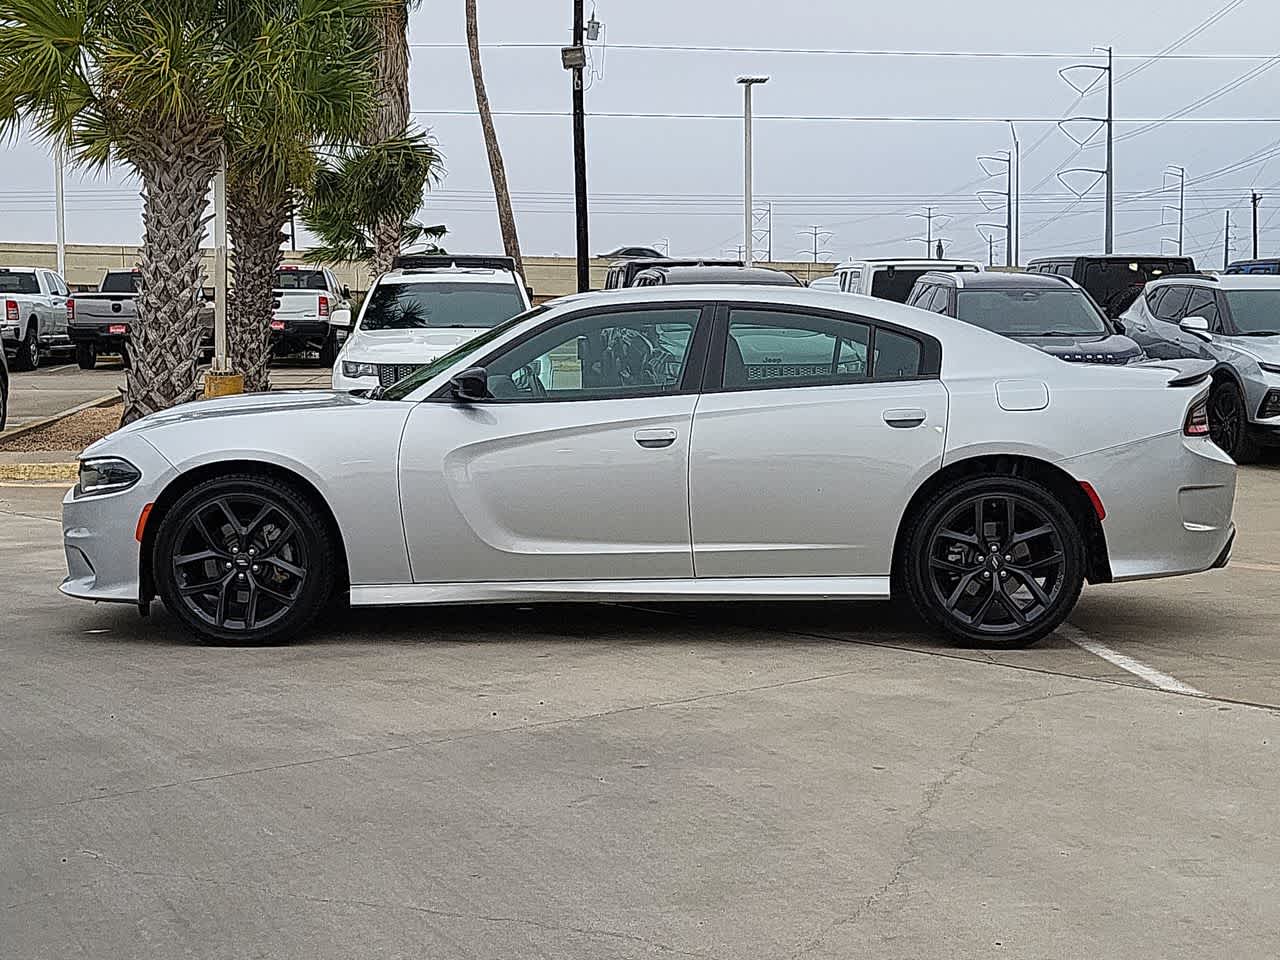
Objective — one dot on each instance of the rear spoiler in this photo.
(430, 261)
(1184, 373)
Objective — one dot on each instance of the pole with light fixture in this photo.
(747, 83)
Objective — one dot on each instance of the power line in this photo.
(1167, 52)
(1205, 100)
(846, 118)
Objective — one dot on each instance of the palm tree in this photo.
(323, 59)
(506, 218)
(357, 191)
(136, 82)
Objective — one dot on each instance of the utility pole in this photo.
(928, 237)
(60, 210)
(574, 59)
(991, 249)
(747, 215)
(1226, 243)
(1012, 243)
(1257, 199)
(819, 237)
(1110, 239)
(1173, 170)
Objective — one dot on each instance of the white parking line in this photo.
(1139, 669)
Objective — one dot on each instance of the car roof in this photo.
(449, 275)
(993, 280)
(908, 262)
(1225, 281)
(1114, 258)
(701, 274)
(23, 269)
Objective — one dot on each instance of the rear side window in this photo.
(1171, 304)
(897, 357)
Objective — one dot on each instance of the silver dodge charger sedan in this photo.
(688, 443)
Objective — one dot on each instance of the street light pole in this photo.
(747, 223)
(60, 210)
(1110, 239)
(580, 154)
(1257, 199)
(220, 267)
(1012, 243)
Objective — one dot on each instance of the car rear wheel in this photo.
(28, 357)
(1229, 422)
(994, 562)
(244, 559)
(87, 355)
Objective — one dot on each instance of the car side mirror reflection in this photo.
(1197, 327)
(470, 386)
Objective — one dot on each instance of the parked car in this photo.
(1269, 266)
(631, 253)
(4, 390)
(624, 274)
(101, 322)
(1050, 313)
(413, 314)
(660, 276)
(1233, 321)
(830, 284)
(892, 279)
(1114, 281)
(305, 301)
(687, 444)
(35, 314)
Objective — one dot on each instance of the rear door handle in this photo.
(655, 439)
(904, 419)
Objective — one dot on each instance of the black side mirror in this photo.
(471, 385)
(1118, 324)
(346, 292)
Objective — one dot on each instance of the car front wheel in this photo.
(994, 562)
(244, 559)
(1229, 421)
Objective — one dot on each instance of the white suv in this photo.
(423, 309)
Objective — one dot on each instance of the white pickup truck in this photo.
(34, 321)
(306, 299)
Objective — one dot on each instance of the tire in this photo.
(1005, 598)
(328, 351)
(87, 355)
(125, 362)
(1229, 422)
(28, 357)
(261, 589)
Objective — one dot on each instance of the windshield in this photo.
(398, 391)
(1031, 313)
(1115, 284)
(415, 306)
(300, 280)
(18, 282)
(120, 283)
(1255, 312)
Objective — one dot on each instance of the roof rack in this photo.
(437, 261)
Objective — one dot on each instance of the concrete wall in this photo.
(549, 276)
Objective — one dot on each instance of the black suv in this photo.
(1050, 313)
(1114, 281)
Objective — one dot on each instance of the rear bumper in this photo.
(99, 335)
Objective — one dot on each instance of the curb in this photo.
(26, 428)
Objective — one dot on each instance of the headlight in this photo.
(350, 369)
(106, 475)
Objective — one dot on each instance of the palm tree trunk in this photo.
(506, 218)
(256, 222)
(391, 115)
(176, 171)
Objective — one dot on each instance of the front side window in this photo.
(440, 305)
(1031, 312)
(1171, 304)
(1255, 313)
(628, 353)
(773, 348)
(1203, 303)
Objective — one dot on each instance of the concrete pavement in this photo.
(722, 781)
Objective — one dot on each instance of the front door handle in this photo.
(904, 419)
(655, 439)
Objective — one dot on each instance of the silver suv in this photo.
(1234, 321)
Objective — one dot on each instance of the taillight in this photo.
(324, 306)
(11, 311)
(1197, 424)
(71, 310)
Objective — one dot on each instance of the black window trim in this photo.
(689, 381)
(713, 378)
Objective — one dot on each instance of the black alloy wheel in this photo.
(244, 560)
(995, 562)
(1228, 422)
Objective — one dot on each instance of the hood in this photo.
(249, 404)
(1088, 348)
(420, 345)
(1263, 349)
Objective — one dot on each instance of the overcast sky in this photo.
(680, 180)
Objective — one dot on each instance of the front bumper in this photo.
(99, 533)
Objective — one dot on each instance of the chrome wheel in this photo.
(240, 562)
(996, 563)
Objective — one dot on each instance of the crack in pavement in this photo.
(920, 820)
(434, 912)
